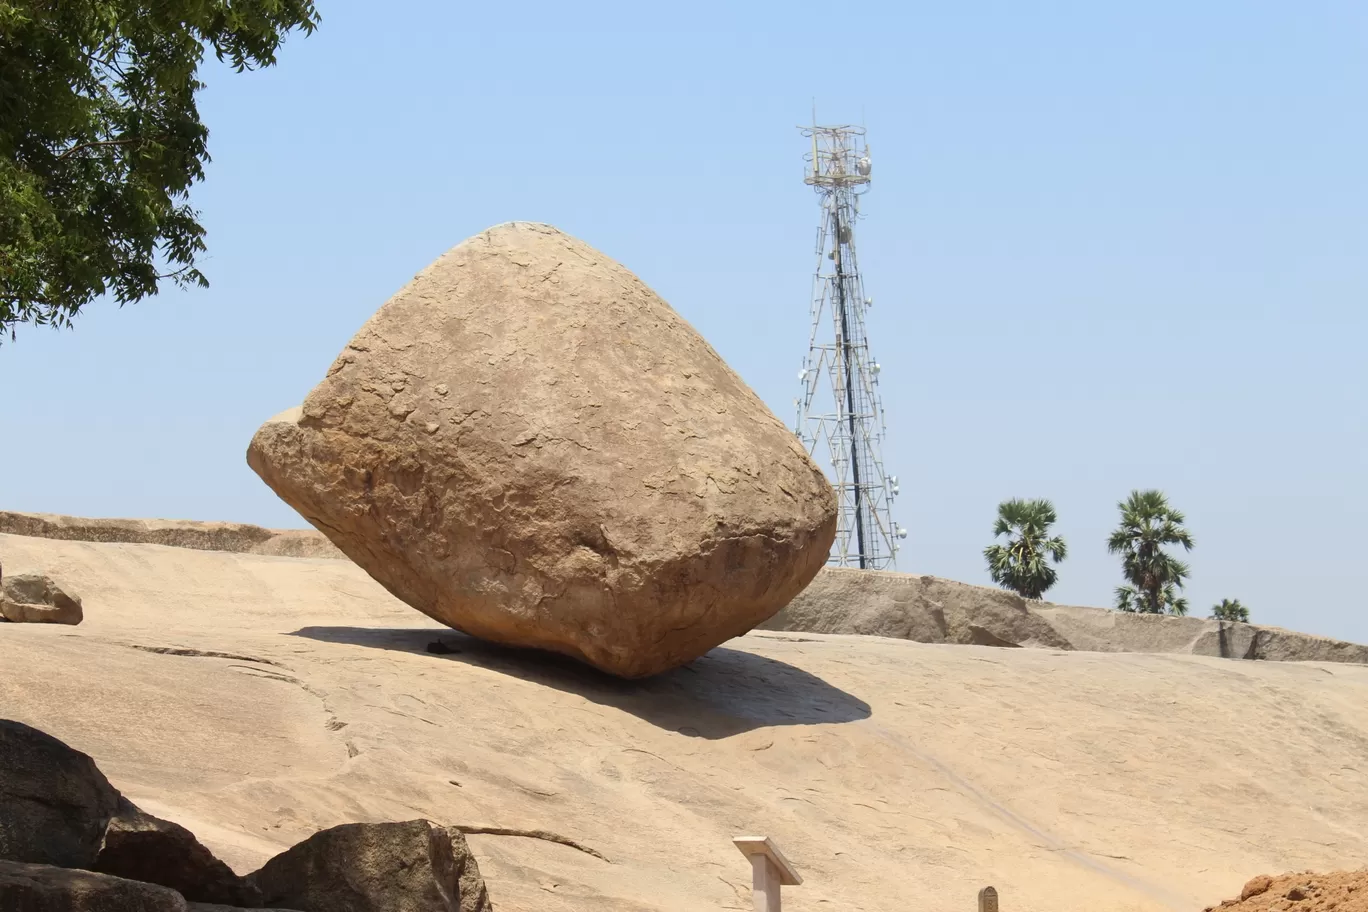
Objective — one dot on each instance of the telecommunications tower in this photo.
(840, 418)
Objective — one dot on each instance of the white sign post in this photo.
(769, 870)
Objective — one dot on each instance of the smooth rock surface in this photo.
(54, 802)
(527, 444)
(44, 888)
(36, 599)
(292, 695)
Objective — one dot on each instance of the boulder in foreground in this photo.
(528, 444)
(33, 599)
(57, 808)
(54, 802)
(44, 888)
(138, 846)
(414, 866)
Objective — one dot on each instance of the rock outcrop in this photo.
(57, 808)
(69, 842)
(414, 866)
(55, 804)
(199, 536)
(903, 605)
(34, 599)
(527, 444)
(932, 610)
(45, 888)
(138, 846)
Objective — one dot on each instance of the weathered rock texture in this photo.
(528, 444)
(200, 536)
(294, 695)
(414, 866)
(907, 606)
(44, 888)
(35, 599)
(57, 808)
(932, 610)
(139, 846)
(1336, 891)
(54, 802)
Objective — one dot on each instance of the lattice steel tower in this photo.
(840, 418)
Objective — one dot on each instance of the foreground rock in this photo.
(57, 808)
(528, 444)
(1338, 891)
(55, 804)
(44, 888)
(932, 610)
(139, 846)
(34, 599)
(415, 866)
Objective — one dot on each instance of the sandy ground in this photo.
(256, 699)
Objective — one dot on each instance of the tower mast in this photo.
(840, 417)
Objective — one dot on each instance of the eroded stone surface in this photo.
(54, 802)
(414, 866)
(528, 444)
(32, 598)
(45, 888)
(139, 846)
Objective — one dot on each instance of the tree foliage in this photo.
(1148, 523)
(1022, 563)
(101, 139)
(1230, 610)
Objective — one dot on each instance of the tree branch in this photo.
(104, 142)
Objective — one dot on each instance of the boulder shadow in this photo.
(724, 693)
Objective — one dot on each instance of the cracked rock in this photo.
(58, 809)
(30, 598)
(569, 466)
(414, 866)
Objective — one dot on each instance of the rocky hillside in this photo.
(871, 603)
(257, 699)
(932, 610)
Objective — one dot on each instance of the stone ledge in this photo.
(200, 536)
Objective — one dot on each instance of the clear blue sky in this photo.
(1112, 246)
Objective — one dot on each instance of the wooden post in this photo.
(988, 900)
(769, 871)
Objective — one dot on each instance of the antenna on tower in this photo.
(840, 417)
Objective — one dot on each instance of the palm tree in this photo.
(1147, 524)
(1020, 564)
(1230, 610)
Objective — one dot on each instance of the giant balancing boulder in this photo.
(529, 445)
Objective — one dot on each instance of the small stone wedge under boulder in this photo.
(414, 866)
(528, 444)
